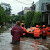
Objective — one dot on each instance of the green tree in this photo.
(22, 18)
(2, 15)
(9, 19)
(17, 18)
(7, 8)
(37, 18)
(29, 18)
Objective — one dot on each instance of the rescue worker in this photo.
(39, 28)
(24, 29)
(37, 32)
(48, 30)
(30, 26)
(16, 32)
(43, 31)
(40, 32)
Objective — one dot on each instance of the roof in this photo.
(27, 8)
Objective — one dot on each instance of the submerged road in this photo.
(25, 43)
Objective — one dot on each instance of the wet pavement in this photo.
(25, 43)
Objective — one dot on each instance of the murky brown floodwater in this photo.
(3, 30)
(25, 43)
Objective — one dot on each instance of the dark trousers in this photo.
(15, 42)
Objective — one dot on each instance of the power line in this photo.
(22, 2)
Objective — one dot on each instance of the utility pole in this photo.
(22, 10)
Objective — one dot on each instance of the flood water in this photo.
(25, 43)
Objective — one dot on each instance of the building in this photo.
(26, 9)
(44, 7)
(46, 15)
(41, 5)
(33, 6)
(6, 7)
(21, 13)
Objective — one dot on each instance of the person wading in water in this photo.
(16, 32)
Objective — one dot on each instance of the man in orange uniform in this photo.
(43, 31)
(37, 32)
(24, 29)
(48, 30)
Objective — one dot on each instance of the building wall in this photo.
(41, 5)
(49, 19)
(27, 9)
(37, 6)
(21, 13)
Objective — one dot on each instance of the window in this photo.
(42, 7)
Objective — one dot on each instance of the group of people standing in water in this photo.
(18, 30)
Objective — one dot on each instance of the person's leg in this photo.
(15, 42)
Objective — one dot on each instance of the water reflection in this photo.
(16, 47)
(2, 30)
(25, 43)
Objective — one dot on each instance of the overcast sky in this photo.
(17, 6)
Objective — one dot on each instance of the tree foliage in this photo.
(17, 18)
(2, 15)
(22, 18)
(29, 18)
(37, 18)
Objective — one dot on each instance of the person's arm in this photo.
(12, 31)
(25, 30)
(21, 31)
(47, 32)
(41, 31)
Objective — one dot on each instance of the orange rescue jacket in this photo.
(37, 32)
